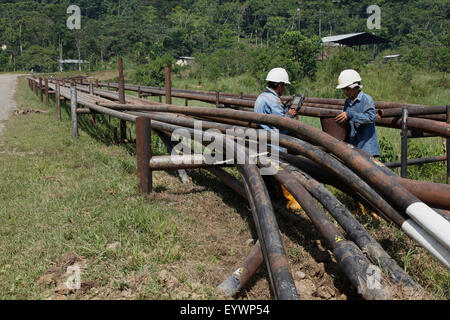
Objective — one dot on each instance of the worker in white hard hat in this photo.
(269, 102)
(359, 112)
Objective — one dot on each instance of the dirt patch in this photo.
(65, 278)
(28, 111)
(220, 226)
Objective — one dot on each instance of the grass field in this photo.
(67, 202)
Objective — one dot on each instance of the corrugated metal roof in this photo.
(352, 39)
(340, 37)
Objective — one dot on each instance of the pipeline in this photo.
(420, 212)
(352, 261)
(356, 231)
(178, 93)
(401, 220)
(261, 207)
(425, 241)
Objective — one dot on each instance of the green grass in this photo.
(61, 196)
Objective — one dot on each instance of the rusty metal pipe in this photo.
(356, 231)
(268, 234)
(351, 260)
(418, 161)
(182, 161)
(239, 278)
(396, 112)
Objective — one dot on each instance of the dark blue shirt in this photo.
(361, 117)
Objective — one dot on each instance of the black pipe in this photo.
(351, 260)
(356, 231)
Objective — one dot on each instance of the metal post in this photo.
(186, 101)
(144, 154)
(40, 90)
(46, 91)
(73, 110)
(168, 85)
(121, 88)
(404, 146)
(121, 83)
(58, 101)
(139, 92)
(447, 142)
(91, 91)
(217, 99)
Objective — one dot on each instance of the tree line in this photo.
(34, 33)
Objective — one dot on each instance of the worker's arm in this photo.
(368, 114)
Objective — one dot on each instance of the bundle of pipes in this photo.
(414, 211)
(354, 173)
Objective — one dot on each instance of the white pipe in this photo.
(426, 241)
(432, 222)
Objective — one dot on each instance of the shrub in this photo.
(221, 63)
(152, 74)
(416, 57)
(345, 58)
(387, 151)
(429, 171)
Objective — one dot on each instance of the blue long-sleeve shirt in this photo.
(269, 102)
(361, 117)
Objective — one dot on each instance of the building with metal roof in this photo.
(354, 39)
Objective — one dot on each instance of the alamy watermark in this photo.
(374, 20)
(74, 280)
(74, 20)
(236, 146)
(373, 281)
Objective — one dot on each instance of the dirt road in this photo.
(8, 85)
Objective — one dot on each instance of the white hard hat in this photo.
(348, 78)
(278, 75)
